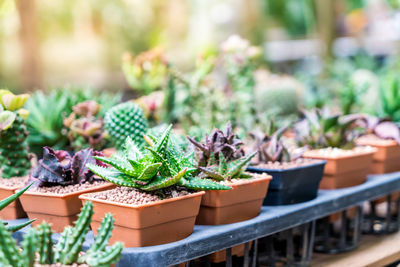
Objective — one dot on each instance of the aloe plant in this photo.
(321, 129)
(159, 165)
(38, 247)
(7, 201)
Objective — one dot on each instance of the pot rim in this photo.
(142, 206)
(388, 143)
(257, 169)
(312, 154)
(244, 181)
(79, 192)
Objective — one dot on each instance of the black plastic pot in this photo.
(295, 185)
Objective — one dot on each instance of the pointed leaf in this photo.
(162, 182)
(196, 183)
(113, 176)
(5, 202)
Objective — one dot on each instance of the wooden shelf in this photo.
(374, 251)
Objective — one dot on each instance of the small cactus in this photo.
(45, 243)
(123, 120)
(14, 156)
(37, 245)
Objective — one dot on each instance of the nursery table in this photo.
(208, 239)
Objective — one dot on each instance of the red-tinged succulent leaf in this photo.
(388, 130)
(51, 170)
(80, 173)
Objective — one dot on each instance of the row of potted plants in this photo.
(158, 186)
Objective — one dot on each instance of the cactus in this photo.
(126, 120)
(28, 246)
(5, 202)
(37, 245)
(14, 156)
(162, 164)
(70, 244)
(45, 243)
(98, 254)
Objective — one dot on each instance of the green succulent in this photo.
(7, 201)
(221, 156)
(48, 110)
(159, 165)
(38, 247)
(321, 129)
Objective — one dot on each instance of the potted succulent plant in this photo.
(332, 138)
(385, 137)
(222, 159)
(156, 200)
(14, 153)
(84, 128)
(59, 180)
(294, 179)
(37, 247)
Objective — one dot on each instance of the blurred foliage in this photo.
(48, 110)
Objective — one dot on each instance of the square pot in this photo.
(241, 203)
(344, 171)
(155, 223)
(59, 210)
(14, 210)
(386, 157)
(294, 185)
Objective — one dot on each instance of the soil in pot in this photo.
(241, 203)
(344, 168)
(146, 218)
(292, 182)
(58, 205)
(7, 188)
(386, 158)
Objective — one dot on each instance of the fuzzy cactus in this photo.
(161, 165)
(14, 156)
(123, 120)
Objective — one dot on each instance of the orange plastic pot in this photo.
(241, 203)
(220, 256)
(344, 171)
(59, 210)
(386, 157)
(150, 224)
(14, 210)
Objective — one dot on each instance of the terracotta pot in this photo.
(241, 203)
(344, 171)
(14, 210)
(386, 157)
(59, 210)
(150, 224)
